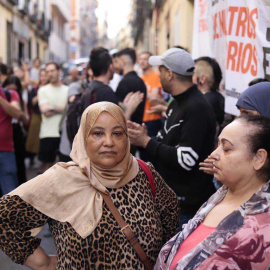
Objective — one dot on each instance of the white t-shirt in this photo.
(56, 96)
(115, 81)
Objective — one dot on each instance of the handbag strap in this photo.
(149, 175)
(127, 232)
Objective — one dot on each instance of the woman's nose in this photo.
(108, 141)
(215, 154)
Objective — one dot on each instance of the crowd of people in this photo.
(131, 153)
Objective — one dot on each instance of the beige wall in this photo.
(5, 16)
(175, 18)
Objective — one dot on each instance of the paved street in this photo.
(47, 242)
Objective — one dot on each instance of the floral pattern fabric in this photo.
(240, 241)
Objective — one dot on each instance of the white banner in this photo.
(237, 35)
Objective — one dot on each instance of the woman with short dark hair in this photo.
(231, 230)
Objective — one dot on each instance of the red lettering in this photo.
(241, 23)
(239, 56)
(202, 9)
(215, 26)
(254, 68)
(222, 22)
(246, 58)
(253, 12)
(232, 10)
(202, 25)
(232, 52)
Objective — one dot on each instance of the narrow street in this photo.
(47, 242)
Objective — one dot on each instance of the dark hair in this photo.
(259, 138)
(180, 78)
(129, 52)
(15, 80)
(180, 47)
(183, 78)
(216, 69)
(53, 63)
(41, 70)
(115, 55)
(147, 52)
(100, 60)
(257, 80)
(37, 58)
(3, 69)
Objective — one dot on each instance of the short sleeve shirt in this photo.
(6, 133)
(55, 96)
(151, 81)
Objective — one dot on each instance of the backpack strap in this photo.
(7, 93)
(149, 175)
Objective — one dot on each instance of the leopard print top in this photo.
(153, 221)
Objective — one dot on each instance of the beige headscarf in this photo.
(70, 192)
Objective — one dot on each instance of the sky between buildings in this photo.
(117, 12)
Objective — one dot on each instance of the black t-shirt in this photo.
(99, 92)
(132, 83)
(216, 100)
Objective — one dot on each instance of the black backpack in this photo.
(75, 111)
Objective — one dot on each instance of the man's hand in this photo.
(207, 166)
(138, 134)
(159, 108)
(50, 113)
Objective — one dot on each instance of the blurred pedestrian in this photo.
(3, 73)
(207, 76)
(52, 100)
(154, 88)
(118, 73)
(187, 136)
(13, 83)
(32, 142)
(74, 76)
(34, 72)
(9, 108)
(131, 82)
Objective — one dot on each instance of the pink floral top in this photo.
(240, 241)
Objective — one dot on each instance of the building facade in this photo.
(162, 24)
(24, 31)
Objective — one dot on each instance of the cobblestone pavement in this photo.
(47, 243)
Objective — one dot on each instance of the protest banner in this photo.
(237, 35)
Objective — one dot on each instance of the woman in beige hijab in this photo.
(69, 197)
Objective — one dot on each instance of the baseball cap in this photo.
(177, 60)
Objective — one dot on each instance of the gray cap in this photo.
(177, 60)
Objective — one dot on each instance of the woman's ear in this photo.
(260, 159)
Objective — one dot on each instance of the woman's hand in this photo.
(207, 166)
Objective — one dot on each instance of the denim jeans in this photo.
(8, 172)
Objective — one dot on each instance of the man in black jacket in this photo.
(187, 137)
(131, 82)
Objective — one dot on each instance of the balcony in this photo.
(23, 6)
(13, 2)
